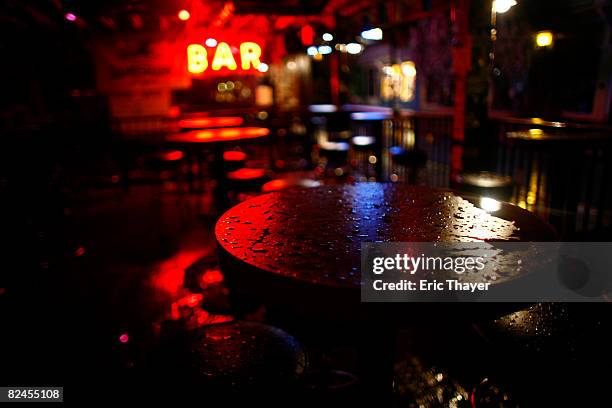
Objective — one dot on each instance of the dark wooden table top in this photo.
(315, 235)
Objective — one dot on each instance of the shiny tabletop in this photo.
(314, 236)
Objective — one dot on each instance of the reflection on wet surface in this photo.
(316, 234)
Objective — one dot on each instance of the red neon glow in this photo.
(203, 318)
(170, 274)
(211, 277)
(204, 123)
(190, 300)
(79, 252)
(307, 35)
(250, 53)
(225, 14)
(124, 338)
(175, 313)
(184, 15)
(70, 17)
(197, 58)
(174, 111)
(223, 57)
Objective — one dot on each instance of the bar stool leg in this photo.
(220, 198)
(377, 357)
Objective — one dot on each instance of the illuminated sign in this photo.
(223, 57)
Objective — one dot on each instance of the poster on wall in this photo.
(138, 73)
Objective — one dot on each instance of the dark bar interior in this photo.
(213, 202)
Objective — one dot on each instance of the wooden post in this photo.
(462, 61)
(471, 66)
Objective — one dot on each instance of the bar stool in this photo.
(233, 160)
(335, 155)
(365, 155)
(338, 126)
(409, 160)
(243, 181)
(484, 183)
(286, 183)
(241, 356)
(166, 166)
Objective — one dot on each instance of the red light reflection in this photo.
(211, 277)
(219, 135)
(171, 273)
(204, 123)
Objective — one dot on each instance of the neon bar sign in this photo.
(197, 57)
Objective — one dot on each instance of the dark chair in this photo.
(409, 160)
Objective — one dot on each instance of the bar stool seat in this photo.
(244, 183)
(334, 151)
(335, 156)
(166, 156)
(334, 147)
(245, 355)
(364, 157)
(246, 174)
(484, 183)
(284, 184)
(363, 142)
(163, 165)
(234, 160)
(234, 155)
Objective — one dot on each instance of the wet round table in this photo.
(300, 249)
(296, 245)
(216, 139)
